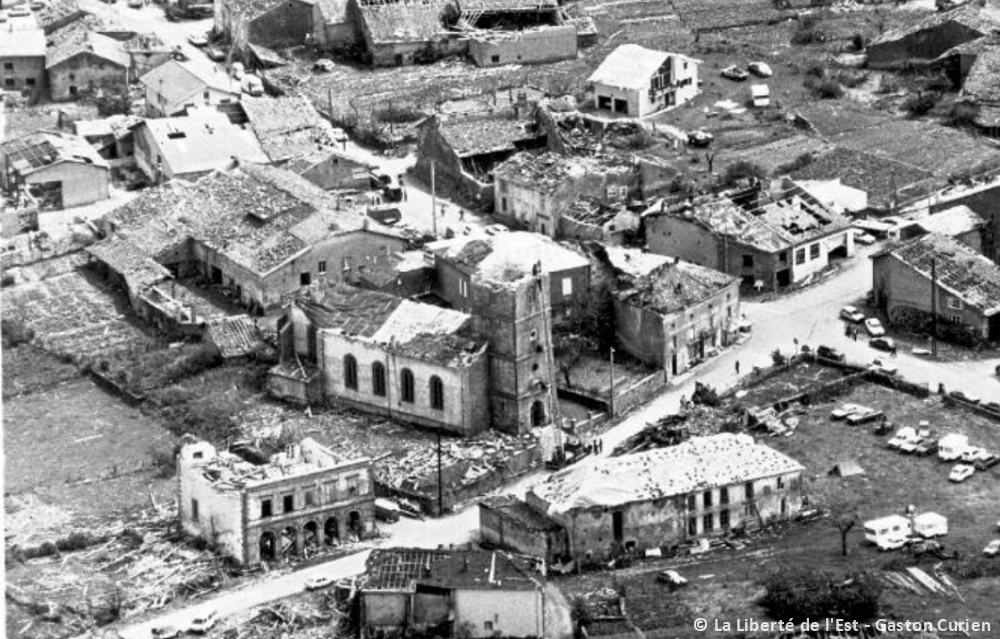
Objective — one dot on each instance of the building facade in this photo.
(637, 82)
(22, 62)
(304, 498)
(94, 63)
(174, 86)
(59, 170)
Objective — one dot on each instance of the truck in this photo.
(929, 525)
(952, 447)
(888, 532)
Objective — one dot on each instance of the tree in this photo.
(113, 103)
(588, 326)
(844, 517)
(800, 592)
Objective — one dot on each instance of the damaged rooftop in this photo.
(402, 569)
(674, 286)
(509, 257)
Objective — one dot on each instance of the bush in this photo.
(113, 103)
(829, 90)
(199, 360)
(851, 79)
(859, 41)
(801, 592)
(164, 460)
(800, 162)
(920, 104)
(816, 70)
(741, 170)
(15, 332)
(915, 320)
(888, 84)
(978, 568)
(705, 395)
(778, 358)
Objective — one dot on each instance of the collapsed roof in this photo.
(35, 151)
(675, 286)
(404, 569)
(508, 257)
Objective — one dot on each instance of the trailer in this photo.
(930, 525)
(952, 447)
(887, 529)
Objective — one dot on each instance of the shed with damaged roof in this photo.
(703, 487)
(85, 63)
(486, 593)
(768, 236)
(636, 81)
(413, 362)
(509, 523)
(930, 37)
(516, 32)
(968, 284)
(303, 498)
(465, 151)
(534, 191)
(332, 169)
(59, 169)
(111, 137)
(670, 313)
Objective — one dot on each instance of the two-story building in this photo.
(176, 86)
(910, 277)
(701, 488)
(303, 498)
(636, 81)
(22, 61)
(87, 62)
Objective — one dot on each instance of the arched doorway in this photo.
(331, 532)
(289, 545)
(310, 535)
(267, 546)
(538, 413)
(354, 524)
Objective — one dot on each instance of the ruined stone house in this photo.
(22, 62)
(411, 362)
(590, 219)
(255, 511)
(516, 32)
(86, 63)
(769, 238)
(703, 487)
(280, 23)
(929, 38)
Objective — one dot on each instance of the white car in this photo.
(322, 581)
(879, 366)
(852, 314)
(760, 69)
(166, 632)
(961, 472)
(673, 578)
(891, 543)
(198, 40)
(973, 454)
(992, 549)
(493, 229)
(204, 622)
(874, 327)
(860, 237)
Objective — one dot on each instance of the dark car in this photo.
(830, 353)
(926, 447)
(882, 343)
(388, 215)
(884, 428)
(989, 462)
(959, 395)
(734, 73)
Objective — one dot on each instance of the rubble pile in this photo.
(670, 430)
(293, 617)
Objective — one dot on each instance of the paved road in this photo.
(810, 316)
(150, 19)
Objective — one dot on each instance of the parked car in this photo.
(198, 40)
(987, 462)
(252, 85)
(700, 138)
(973, 454)
(891, 543)
(874, 327)
(760, 69)
(494, 229)
(992, 549)
(322, 581)
(734, 73)
(903, 435)
(926, 447)
(204, 622)
(863, 417)
(215, 54)
(879, 366)
(860, 237)
(178, 54)
(136, 4)
(852, 314)
(324, 65)
(166, 632)
(829, 353)
(965, 397)
(844, 411)
(37, 5)
(673, 578)
(961, 472)
(885, 427)
(20, 12)
(882, 343)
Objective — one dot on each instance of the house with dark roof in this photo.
(188, 147)
(85, 63)
(407, 32)
(413, 362)
(701, 488)
(670, 313)
(477, 592)
(929, 38)
(636, 81)
(22, 62)
(464, 151)
(768, 236)
(176, 86)
(260, 231)
(938, 274)
(533, 191)
(276, 24)
(60, 170)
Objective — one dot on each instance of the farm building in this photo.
(929, 38)
(968, 284)
(516, 32)
(85, 63)
(175, 86)
(703, 487)
(60, 170)
(305, 498)
(484, 593)
(22, 62)
(636, 81)
(770, 238)
(111, 137)
(276, 24)
(401, 32)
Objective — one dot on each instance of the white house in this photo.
(636, 81)
(175, 86)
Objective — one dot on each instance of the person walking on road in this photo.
(737, 367)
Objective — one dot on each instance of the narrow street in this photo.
(809, 316)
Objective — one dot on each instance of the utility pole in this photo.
(934, 314)
(434, 199)
(612, 402)
(440, 485)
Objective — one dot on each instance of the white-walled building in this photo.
(636, 81)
